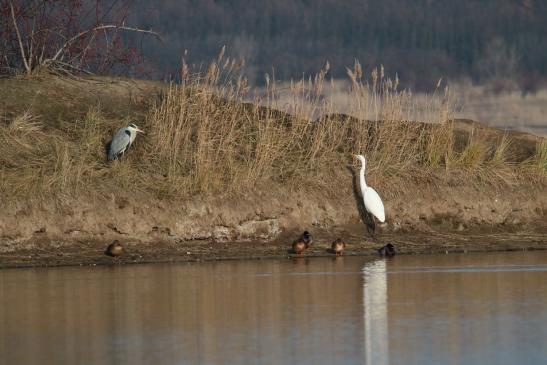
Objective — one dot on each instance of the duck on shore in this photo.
(303, 242)
(115, 249)
(338, 247)
(298, 247)
(387, 250)
(306, 238)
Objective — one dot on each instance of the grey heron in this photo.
(122, 140)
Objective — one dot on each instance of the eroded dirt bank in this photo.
(260, 225)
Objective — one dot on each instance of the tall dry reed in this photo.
(211, 133)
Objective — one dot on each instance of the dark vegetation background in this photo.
(422, 40)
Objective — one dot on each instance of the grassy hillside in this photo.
(221, 163)
(211, 135)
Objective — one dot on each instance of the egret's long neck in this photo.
(362, 178)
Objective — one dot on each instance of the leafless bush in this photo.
(67, 35)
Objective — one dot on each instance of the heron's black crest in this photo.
(133, 125)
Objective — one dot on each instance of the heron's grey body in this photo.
(122, 140)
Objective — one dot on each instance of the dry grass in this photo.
(210, 134)
(66, 161)
(537, 165)
(203, 143)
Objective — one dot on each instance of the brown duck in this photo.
(298, 247)
(114, 249)
(338, 247)
(302, 243)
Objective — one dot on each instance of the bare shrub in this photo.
(66, 35)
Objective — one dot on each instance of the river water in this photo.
(488, 308)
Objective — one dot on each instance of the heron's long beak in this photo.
(140, 131)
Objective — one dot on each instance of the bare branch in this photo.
(44, 34)
(63, 66)
(21, 47)
(31, 46)
(82, 54)
(94, 29)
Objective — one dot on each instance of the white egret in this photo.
(122, 140)
(373, 202)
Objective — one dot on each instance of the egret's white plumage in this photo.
(122, 140)
(373, 202)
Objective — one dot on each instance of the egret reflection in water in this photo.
(375, 312)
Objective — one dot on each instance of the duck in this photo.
(306, 238)
(302, 243)
(298, 247)
(338, 246)
(387, 250)
(114, 249)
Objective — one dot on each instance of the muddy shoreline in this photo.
(84, 253)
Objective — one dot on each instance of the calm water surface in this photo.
(442, 309)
